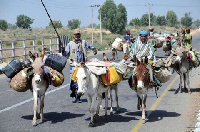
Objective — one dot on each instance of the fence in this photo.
(19, 49)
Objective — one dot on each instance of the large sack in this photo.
(111, 77)
(163, 74)
(12, 68)
(116, 42)
(56, 77)
(20, 82)
(97, 67)
(56, 62)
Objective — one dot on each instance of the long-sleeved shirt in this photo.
(141, 50)
(80, 56)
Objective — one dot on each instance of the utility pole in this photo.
(149, 6)
(92, 22)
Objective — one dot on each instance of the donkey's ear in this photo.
(31, 55)
(43, 53)
(137, 61)
(146, 60)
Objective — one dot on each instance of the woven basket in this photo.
(57, 78)
(20, 83)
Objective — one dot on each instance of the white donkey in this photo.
(39, 84)
(90, 84)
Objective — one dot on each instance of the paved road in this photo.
(167, 113)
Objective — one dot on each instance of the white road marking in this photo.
(28, 100)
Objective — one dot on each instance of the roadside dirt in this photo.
(194, 106)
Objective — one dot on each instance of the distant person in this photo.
(188, 38)
(77, 50)
(128, 37)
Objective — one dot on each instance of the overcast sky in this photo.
(65, 10)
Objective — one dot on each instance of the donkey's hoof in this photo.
(105, 116)
(91, 124)
(34, 123)
(43, 119)
(143, 121)
(95, 116)
(111, 113)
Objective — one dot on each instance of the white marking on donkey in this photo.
(90, 84)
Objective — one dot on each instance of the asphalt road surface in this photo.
(170, 112)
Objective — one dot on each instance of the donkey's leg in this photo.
(106, 103)
(92, 110)
(184, 81)
(144, 108)
(188, 82)
(139, 102)
(35, 97)
(99, 99)
(116, 98)
(116, 53)
(111, 100)
(42, 108)
(180, 84)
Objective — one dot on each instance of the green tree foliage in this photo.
(153, 21)
(187, 20)
(171, 18)
(94, 25)
(24, 21)
(197, 23)
(3, 25)
(135, 22)
(73, 24)
(57, 24)
(144, 21)
(108, 15)
(161, 20)
(121, 19)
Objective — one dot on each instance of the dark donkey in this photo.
(182, 67)
(140, 83)
(40, 84)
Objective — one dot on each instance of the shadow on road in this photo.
(54, 117)
(176, 91)
(158, 115)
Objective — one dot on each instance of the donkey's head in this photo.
(142, 74)
(38, 66)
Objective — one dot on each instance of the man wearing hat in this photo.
(77, 51)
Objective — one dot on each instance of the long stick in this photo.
(60, 43)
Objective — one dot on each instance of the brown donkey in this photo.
(39, 84)
(140, 83)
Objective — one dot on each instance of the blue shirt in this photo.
(128, 37)
(80, 56)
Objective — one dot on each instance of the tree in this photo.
(108, 15)
(187, 20)
(197, 23)
(121, 19)
(94, 25)
(171, 19)
(135, 22)
(57, 24)
(3, 25)
(24, 21)
(74, 23)
(144, 21)
(161, 20)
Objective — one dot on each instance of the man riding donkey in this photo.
(76, 50)
(141, 48)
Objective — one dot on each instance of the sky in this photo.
(65, 10)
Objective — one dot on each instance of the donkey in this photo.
(39, 84)
(182, 67)
(140, 83)
(90, 84)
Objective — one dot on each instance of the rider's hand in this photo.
(95, 51)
